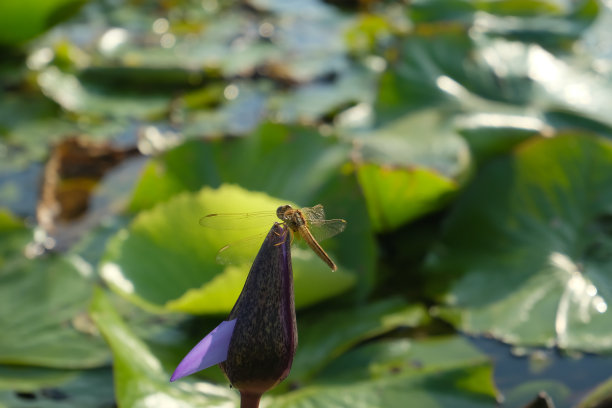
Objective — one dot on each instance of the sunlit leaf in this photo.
(26, 19)
(397, 195)
(165, 259)
(412, 165)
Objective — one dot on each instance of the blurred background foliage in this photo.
(467, 144)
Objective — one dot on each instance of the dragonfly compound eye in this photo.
(280, 211)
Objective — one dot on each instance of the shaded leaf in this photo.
(42, 313)
(527, 246)
(91, 388)
(390, 357)
(324, 338)
(139, 378)
(80, 97)
(24, 378)
(286, 161)
(493, 134)
(465, 387)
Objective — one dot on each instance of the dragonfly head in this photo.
(282, 211)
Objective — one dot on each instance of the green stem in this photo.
(248, 400)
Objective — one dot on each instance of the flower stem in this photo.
(248, 400)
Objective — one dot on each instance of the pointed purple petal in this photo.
(211, 350)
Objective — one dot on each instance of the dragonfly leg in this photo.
(282, 236)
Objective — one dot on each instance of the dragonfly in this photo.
(307, 223)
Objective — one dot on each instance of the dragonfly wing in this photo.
(322, 230)
(238, 221)
(241, 251)
(316, 213)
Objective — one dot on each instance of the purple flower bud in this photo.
(256, 345)
(264, 341)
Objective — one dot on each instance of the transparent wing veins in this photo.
(316, 213)
(243, 250)
(238, 221)
(322, 230)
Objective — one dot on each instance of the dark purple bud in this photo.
(264, 339)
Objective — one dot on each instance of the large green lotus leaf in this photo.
(469, 385)
(459, 72)
(451, 68)
(42, 307)
(461, 388)
(490, 134)
(548, 22)
(324, 337)
(292, 162)
(445, 67)
(584, 96)
(418, 162)
(26, 378)
(386, 358)
(23, 20)
(536, 76)
(166, 260)
(528, 247)
(42, 316)
(422, 139)
(428, 10)
(140, 380)
(77, 96)
(312, 101)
